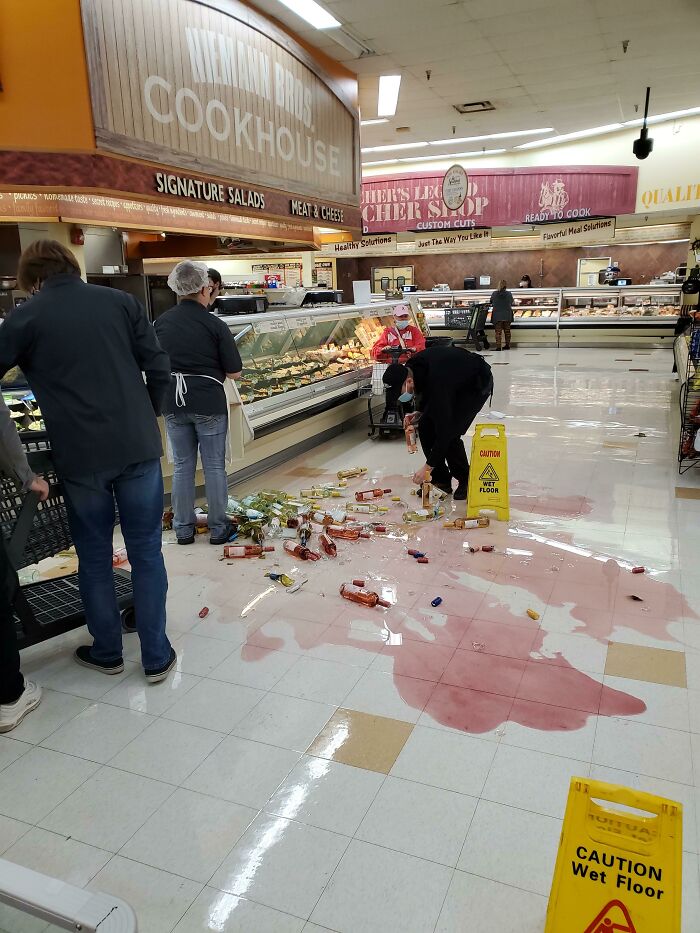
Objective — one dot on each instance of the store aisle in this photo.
(301, 773)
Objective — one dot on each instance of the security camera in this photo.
(643, 146)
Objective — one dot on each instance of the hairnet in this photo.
(188, 277)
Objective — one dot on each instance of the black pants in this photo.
(456, 463)
(11, 680)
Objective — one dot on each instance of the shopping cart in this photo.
(33, 531)
(394, 411)
(473, 320)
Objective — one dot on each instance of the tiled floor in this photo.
(299, 774)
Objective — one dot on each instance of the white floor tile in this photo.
(108, 808)
(444, 759)
(285, 721)
(98, 733)
(282, 864)
(64, 674)
(326, 794)
(197, 655)
(216, 912)
(58, 856)
(691, 893)
(11, 749)
(651, 750)
(390, 695)
(564, 738)
(38, 781)
(532, 780)
(377, 889)
(322, 681)
(55, 710)
(10, 831)
(189, 835)
(526, 850)
(167, 751)
(427, 822)
(479, 905)
(243, 772)
(135, 694)
(158, 898)
(214, 705)
(254, 667)
(665, 706)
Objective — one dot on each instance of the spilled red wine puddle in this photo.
(474, 673)
(554, 506)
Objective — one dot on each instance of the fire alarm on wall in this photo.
(77, 237)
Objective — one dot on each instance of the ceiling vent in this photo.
(476, 106)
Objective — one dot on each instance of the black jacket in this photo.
(84, 350)
(451, 387)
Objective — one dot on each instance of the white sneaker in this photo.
(12, 714)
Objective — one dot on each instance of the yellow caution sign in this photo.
(488, 472)
(618, 871)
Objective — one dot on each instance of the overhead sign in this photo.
(452, 242)
(618, 869)
(455, 186)
(189, 85)
(582, 231)
(498, 197)
(488, 472)
(367, 246)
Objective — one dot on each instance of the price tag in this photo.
(277, 326)
(299, 322)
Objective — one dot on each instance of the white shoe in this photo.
(12, 714)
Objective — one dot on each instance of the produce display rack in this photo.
(687, 356)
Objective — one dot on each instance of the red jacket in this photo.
(412, 337)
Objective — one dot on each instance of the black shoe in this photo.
(83, 655)
(497, 349)
(223, 538)
(189, 540)
(460, 493)
(508, 347)
(156, 674)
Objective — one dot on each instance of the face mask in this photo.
(402, 325)
(406, 397)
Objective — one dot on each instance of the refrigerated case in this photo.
(605, 315)
(298, 361)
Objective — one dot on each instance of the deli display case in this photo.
(298, 361)
(598, 316)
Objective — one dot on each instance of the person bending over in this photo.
(449, 386)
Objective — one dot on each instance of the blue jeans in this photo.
(188, 433)
(138, 490)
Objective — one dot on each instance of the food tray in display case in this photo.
(533, 306)
(628, 303)
(298, 360)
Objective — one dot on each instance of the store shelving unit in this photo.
(612, 316)
(686, 350)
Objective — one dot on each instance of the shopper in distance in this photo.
(502, 314)
(85, 351)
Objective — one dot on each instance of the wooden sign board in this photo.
(218, 89)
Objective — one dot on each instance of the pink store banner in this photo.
(498, 197)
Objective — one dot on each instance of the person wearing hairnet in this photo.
(203, 354)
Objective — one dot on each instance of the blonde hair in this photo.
(502, 285)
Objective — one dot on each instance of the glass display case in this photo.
(309, 357)
(599, 315)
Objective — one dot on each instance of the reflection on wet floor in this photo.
(308, 746)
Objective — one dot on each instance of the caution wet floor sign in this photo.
(619, 864)
(488, 472)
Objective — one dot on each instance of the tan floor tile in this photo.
(687, 492)
(654, 665)
(361, 740)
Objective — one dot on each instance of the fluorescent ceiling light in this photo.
(373, 122)
(388, 95)
(395, 146)
(662, 117)
(580, 134)
(312, 12)
(382, 162)
(473, 139)
(439, 157)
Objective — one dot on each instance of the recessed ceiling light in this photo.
(394, 146)
(453, 155)
(312, 12)
(473, 139)
(373, 122)
(388, 95)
